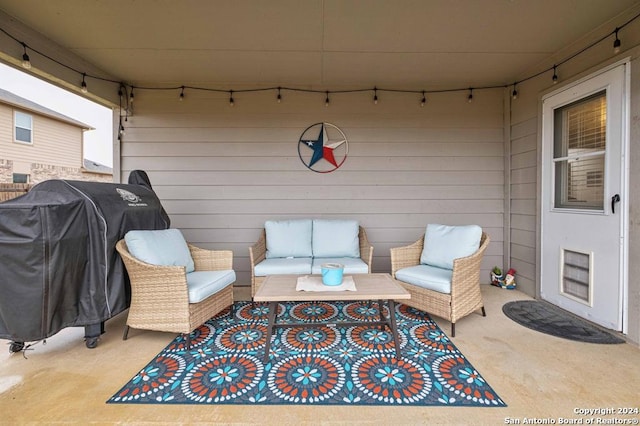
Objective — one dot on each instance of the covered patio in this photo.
(441, 104)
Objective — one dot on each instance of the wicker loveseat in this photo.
(301, 246)
(451, 289)
(175, 286)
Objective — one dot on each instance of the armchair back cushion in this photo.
(335, 238)
(443, 244)
(164, 247)
(288, 238)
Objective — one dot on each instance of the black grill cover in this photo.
(58, 263)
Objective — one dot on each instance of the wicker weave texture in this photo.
(159, 294)
(258, 251)
(465, 296)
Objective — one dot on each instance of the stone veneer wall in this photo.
(6, 170)
(42, 172)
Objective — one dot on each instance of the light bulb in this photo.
(131, 96)
(617, 43)
(514, 94)
(326, 100)
(423, 100)
(375, 96)
(470, 97)
(555, 75)
(26, 63)
(279, 96)
(181, 98)
(83, 85)
(231, 101)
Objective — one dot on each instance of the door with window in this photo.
(583, 198)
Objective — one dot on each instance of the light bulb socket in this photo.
(181, 97)
(326, 100)
(231, 101)
(514, 94)
(470, 97)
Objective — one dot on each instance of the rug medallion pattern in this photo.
(323, 365)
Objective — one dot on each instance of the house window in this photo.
(20, 178)
(579, 153)
(23, 127)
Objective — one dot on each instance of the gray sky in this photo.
(97, 143)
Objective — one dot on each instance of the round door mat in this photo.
(547, 318)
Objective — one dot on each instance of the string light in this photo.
(83, 85)
(616, 43)
(26, 63)
(423, 100)
(231, 101)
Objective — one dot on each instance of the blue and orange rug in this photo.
(327, 365)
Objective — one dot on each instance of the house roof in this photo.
(95, 167)
(321, 44)
(17, 101)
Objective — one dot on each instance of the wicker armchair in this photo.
(159, 294)
(258, 252)
(465, 296)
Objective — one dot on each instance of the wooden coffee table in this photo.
(282, 288)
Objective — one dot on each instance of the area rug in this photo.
(324, 365)
(550, 319)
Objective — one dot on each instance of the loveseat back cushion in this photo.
(288, 238)
(202, 284)
(336, 238)
(425, 276)
(443, 244)
(352, 265)
(284, 266)
(164, 247)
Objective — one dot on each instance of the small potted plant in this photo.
(496, 277)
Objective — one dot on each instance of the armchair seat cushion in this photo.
(429, 277)
(203, 284)
(276, 266)
(351, 265)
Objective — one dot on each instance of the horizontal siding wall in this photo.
(54, 142)
(221, 171)
(523, 203)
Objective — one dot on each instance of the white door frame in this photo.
(625, 152)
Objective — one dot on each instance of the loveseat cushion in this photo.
(203, 284)
(352, 265)
(425, 276)
(288, 238)
(284, 266)
(443, 244)
(335, 238)
(164, 247)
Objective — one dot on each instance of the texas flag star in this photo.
(323, 147)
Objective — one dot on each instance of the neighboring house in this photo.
(37, 143)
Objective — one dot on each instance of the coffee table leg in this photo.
(382, 317)
(394, 328)
(273, 308)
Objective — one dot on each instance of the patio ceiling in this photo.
(328, 44)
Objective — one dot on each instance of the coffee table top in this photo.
(282, 288)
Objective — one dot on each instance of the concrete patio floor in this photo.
(541, 378)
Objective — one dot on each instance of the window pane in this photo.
(23, 120)
(23, 135)
(580, 183)
(580, 131)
